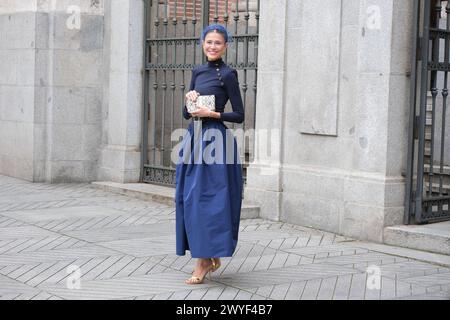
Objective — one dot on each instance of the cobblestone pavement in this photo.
(124, 248)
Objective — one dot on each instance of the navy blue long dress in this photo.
(208, 195)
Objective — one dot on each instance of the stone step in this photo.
(434, 237)
(161, 194)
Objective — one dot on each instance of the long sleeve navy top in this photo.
(216, 78)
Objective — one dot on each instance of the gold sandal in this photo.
(215, 265)
(199, 280)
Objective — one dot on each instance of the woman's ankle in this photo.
(204, 263)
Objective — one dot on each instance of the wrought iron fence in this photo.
(172, 49)
(428, 167)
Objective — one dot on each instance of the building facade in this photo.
(327, 91)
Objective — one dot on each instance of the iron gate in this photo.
(172, 49)
(428, 168)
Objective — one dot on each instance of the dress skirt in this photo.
(208, 192)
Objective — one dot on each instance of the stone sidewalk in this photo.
(74, 241)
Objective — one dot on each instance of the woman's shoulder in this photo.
(196, 68)
(229, 72)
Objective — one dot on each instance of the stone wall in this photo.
(332, 104)
(120, 157)
(51, 89)
(339, 135)
(17, 90)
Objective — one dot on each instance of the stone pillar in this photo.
(374, 194)
(264, 174)
(120, 160)
(333, 80)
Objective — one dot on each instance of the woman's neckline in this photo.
(215, 63)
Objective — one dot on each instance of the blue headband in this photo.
(221, 29)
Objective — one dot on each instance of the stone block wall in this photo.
(337, 75)
(51, 89)
(17, 92)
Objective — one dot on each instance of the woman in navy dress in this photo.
(209, 194)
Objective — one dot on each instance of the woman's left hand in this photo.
(201, 112)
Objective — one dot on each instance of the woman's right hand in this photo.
(192, 95)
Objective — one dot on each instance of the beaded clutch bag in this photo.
(206, 101)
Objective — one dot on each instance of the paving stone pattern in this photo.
(74, 241)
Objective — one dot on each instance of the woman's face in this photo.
(214, 45)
